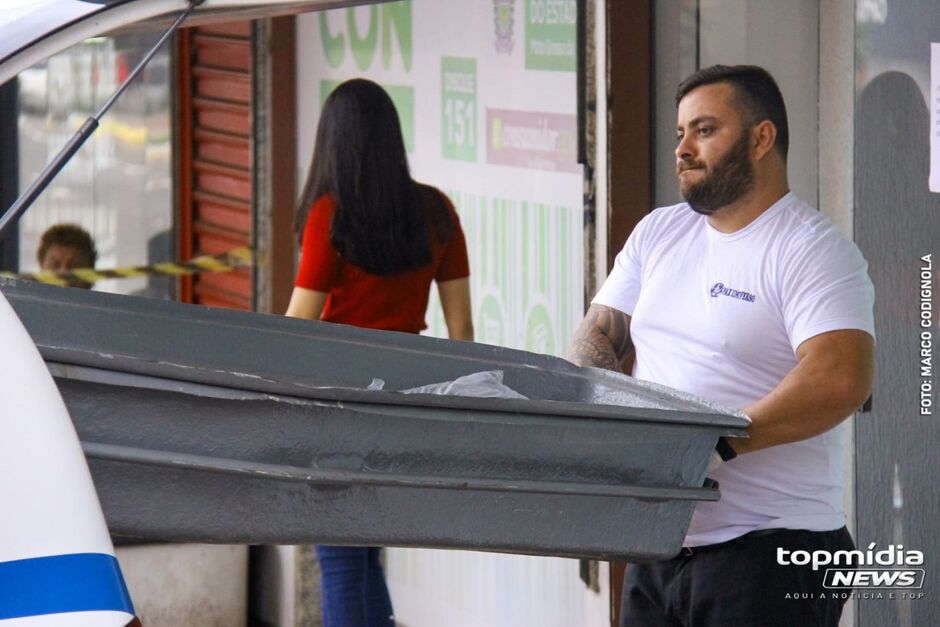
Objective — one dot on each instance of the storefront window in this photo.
(118, 186)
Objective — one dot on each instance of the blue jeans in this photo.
(353, 587)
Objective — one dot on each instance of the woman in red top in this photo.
(373, 241)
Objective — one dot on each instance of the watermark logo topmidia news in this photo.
(887, 568)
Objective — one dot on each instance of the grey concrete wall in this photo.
(187, 584)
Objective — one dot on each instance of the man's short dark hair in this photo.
(67, 235)
(756, 93)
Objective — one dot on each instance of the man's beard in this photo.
(725, 182)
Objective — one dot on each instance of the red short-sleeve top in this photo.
(362, 299)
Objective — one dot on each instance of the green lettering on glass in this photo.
(491, 321)
(539, 334)
(397, 14)
(497, 134)
(363, 48)
(458, 108)
(334, 46)
(551, 35)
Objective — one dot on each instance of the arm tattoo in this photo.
(602, 339)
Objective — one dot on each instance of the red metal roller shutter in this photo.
(215, 174)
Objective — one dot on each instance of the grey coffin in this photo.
(214, 425)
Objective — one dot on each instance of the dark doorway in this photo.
(897, 222)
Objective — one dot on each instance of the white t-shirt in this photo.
(721, 315)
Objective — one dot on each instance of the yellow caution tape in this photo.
(225, 262)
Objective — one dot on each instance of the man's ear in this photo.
(763, 138)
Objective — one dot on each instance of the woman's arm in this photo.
(455, 301)
(306, 303)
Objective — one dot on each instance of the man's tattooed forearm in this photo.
(602, 339)
(615, 325)
(593, 351)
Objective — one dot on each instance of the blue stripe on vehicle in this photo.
(81, 582)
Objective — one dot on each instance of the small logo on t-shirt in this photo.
(719, 289)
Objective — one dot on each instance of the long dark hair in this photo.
(383, 220)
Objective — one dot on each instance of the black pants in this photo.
(736, 584)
